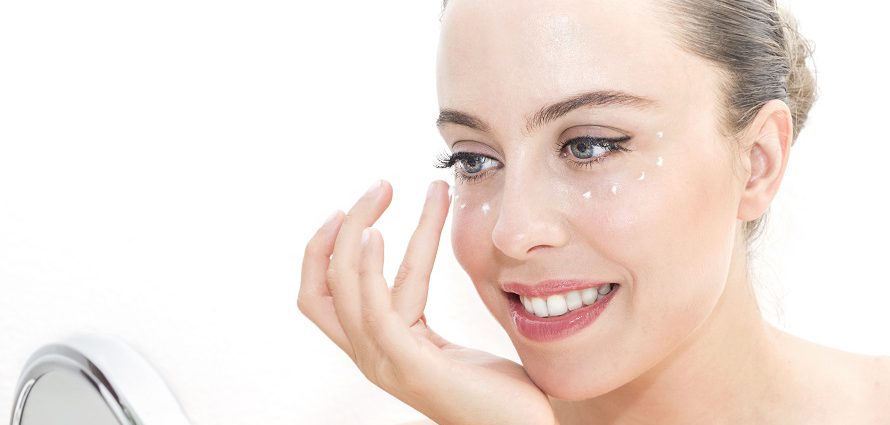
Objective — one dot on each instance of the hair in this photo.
(762, 55)
(757, 47)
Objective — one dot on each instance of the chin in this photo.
(572, 383)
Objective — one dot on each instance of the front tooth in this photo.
(539, 306)
(605, 289)
(527, 304)
(588, 296)
(573, 300)
(556, 305)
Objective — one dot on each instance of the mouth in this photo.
(546, 313)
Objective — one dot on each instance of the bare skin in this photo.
(683, 341)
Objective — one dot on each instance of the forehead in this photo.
(507, 54)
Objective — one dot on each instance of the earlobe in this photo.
(771, 135)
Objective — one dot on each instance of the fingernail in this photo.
(374, 187)
(430, 190)
(365, 234)
(330, 218)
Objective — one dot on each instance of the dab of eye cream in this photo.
(659, 162)
(463, 205)
(642, 176)
(614, 189)
(485, 208)
(659, 135)
(586, 194)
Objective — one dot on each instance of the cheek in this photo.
(473, 215)
(670, 237)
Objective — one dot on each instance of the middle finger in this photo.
(343, 272)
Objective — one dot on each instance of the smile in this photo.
(555, 316)
(559, 304)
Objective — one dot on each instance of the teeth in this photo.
(559, 304)
(556, 305)
(539, 307)
(588, 296)
(527, 304)
(573, 300)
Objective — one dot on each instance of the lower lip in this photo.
(547, 329)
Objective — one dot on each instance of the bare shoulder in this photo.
(849, 387)
(881, 373)
(880, 387)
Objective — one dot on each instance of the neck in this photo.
(725, 372)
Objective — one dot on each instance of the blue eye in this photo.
(585, 148)
(474, 164)
(593, 148)
(471, 166)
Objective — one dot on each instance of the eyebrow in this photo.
(598, 98)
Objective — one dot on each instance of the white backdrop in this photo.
(162, 165)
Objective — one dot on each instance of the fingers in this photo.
(314, 300)
(411, 284)
(374, 291)
(343, 272)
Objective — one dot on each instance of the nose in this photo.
(530, 217)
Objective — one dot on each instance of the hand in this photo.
(385, 332)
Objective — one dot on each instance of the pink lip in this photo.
(549, 287)
(546, 329)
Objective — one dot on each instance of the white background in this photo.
(163, 163)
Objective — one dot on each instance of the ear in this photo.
(768, 143)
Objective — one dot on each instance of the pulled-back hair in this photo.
(758, 48)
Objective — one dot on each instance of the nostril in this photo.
(536, 247)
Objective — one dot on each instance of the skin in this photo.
(683, 341)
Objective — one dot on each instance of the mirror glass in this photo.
(62, 397)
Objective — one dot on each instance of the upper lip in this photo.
(549, 287)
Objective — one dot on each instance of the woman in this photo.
(612, 162)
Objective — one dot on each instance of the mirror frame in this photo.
(131, 388)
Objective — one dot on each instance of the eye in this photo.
(591, 149)
(471, 166)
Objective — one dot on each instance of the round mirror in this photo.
(92, 380)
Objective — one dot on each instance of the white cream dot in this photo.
(642, 176)
(586, 194)
(463, 205)
(659, 135)
(485, 208)
(659, 162)
(614, 189)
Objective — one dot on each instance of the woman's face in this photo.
(659, 219)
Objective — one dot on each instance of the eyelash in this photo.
(611, 145)
(446, 160)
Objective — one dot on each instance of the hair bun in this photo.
(801, 81)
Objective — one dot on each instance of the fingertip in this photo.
(334, 219)
(366, 259)
(371, 244)
(366, 233)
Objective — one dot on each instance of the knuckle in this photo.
(303, 305)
